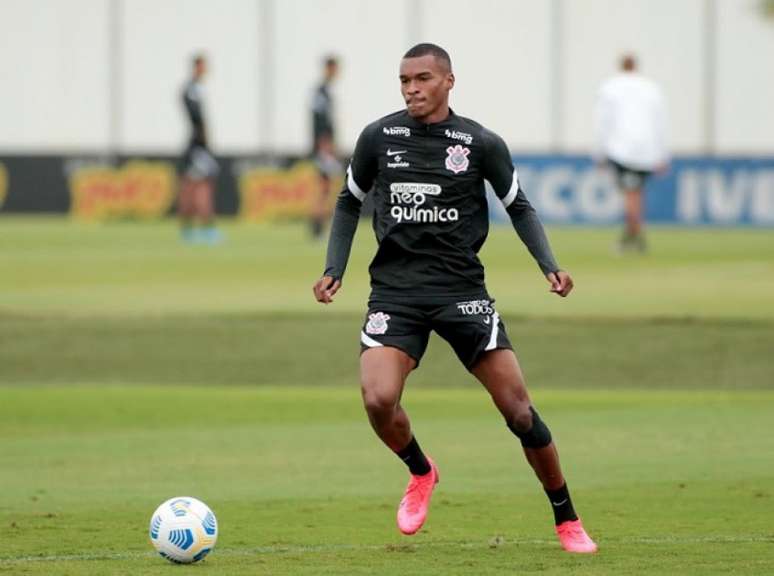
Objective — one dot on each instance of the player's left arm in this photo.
(661, 119)
(499, 171)
(602, 120)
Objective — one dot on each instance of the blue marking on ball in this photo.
(209, 524)
(155, 526)
(182, 538)
(180, 511)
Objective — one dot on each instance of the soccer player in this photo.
(630, 126)
(425, 167)
(324, 145)
(196, 204)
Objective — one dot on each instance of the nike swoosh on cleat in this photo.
(394, 152)
(559, 503)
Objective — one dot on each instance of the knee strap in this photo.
(539, 436)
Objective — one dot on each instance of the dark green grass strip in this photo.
(309, 349)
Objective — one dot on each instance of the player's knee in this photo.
(377, 402)
(520, 422)
(530, 429)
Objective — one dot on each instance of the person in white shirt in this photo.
(630, 130)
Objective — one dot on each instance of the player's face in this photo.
(425, 83)
(331, 71)
(201, 68)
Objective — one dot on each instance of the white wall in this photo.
(665, 35)
(500, 52)
(744, 116)
(54, 80)
(369, 38)
(159, 38)
(506, 86)
(521, 70)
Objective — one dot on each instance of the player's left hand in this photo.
(325, 288)
(561, 282)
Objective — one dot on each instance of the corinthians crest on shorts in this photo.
(457, 160)
(377, 323)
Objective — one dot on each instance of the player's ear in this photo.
(450, 80)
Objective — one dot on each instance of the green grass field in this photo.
(134, 368)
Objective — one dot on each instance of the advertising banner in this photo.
(137, 189)
(565, 189)
(3, 184)
(270, 193)
(695, 191)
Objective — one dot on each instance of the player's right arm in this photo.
(360, 177)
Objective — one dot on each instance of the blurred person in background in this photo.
(324, 146)
(196, 206)
(630, 133)
(425, 168)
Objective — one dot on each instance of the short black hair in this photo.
(331, 60)
(198, 58)
(629, 62)
(426, 48)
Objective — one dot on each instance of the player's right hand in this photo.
(561, 283)
(325, 288)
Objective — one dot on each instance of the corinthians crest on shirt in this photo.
(377, 323)
(457, 159)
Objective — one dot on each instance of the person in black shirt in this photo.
(196, 204)
(324, 145)
(425, 168)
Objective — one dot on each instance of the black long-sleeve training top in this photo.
(430, 208)
(192, 100)
(322, 115)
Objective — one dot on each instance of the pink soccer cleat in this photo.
(574, 538)
(413, 507)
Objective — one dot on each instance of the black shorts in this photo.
(472, 327)
(629, 178)
(199, 163)
(327, 165)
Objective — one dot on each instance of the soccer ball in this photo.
(183, 530)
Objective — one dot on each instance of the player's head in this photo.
(629, 62)
(331, 67)
(426, 78)
(199, 66)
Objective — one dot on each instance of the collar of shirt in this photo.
(412, 123)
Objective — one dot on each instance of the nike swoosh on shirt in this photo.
(394, 152)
